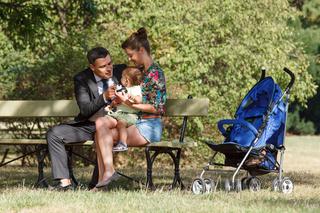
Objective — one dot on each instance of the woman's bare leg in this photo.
(134, 137)
(104, 137)
(122, 129)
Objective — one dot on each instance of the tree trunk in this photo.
(62, 13)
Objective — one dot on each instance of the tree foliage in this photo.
(311, 10)
(215, 49)
(298, 125)
(43, 24)
(207, 48)
(308, 34)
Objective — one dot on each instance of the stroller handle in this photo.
(292, 79)
(263, 73)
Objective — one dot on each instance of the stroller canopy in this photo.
(258, 99)
(254, 110)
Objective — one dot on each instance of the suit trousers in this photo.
(60, 135)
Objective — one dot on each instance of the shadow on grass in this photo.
(17, 176)
(298, 178)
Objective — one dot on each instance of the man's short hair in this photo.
(95, 53)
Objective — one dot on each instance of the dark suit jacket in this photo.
(86, 92)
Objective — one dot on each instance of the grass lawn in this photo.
(302, 160)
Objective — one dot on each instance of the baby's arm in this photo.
(136, 99)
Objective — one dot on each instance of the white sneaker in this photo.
(120, 147)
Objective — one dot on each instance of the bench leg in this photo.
(150, 160)
(42, 151)
(176, 161)
(149, 183)
(4, 156)
(94, 177)
(17, 158)
(69, 150)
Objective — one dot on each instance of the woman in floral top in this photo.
(148, 128)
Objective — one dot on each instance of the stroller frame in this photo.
(280, 183)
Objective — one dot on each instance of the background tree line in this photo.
(305, 119)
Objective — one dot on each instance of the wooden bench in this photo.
(68, 108)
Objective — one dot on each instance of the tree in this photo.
(308, 33)
(40, 37)
(207, 48)
(47, 22)
(311, 10)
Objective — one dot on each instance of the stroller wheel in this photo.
(198, 186)
(275, 185)
(254, 184)
(286, 185)
(244, 183)
(238, 186)
(227, 185)
(210, 186)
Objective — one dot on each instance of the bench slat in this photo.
(187, 107)
(10, 141)
(173, 144)
(22, 141)
(56, 108)
(69, 108)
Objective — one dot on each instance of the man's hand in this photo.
(116, 101)
(109, 94)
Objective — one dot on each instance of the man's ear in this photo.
(91, 66)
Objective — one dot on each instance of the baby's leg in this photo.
(122, 128)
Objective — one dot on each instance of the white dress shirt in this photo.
(100, 113)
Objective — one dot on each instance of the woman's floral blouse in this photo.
(153, 88)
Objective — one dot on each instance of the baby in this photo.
(131, 79)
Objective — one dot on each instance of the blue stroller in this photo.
(253, 140)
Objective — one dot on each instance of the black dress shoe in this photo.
(60, 187)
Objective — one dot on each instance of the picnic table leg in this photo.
(41, 154)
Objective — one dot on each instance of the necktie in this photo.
(105, 84)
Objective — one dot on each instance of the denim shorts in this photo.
(150, 129)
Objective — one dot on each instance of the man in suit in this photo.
(93, 91)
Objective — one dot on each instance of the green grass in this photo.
(301, 164)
